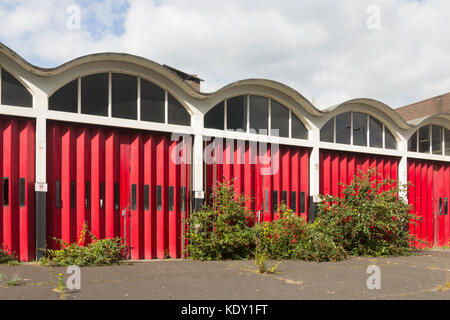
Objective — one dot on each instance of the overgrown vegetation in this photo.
(97, 252)
(367, 220)
(221, 230)
(7, 258)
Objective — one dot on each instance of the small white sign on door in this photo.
(40, 187)
(199, 194)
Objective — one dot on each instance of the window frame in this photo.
(430, 151)
(369, 116)
(246, 98)
(139, 77)
(24, 85)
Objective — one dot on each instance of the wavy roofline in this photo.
(389, 112)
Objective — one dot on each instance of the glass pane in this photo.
(94, 94)
(412, 143)
(327, 131)
(424, 139)
(389, 140)
(343, 128)
(13, 92)
(124, 96)
(153, 102)
(375, 133)
(299, 130)
(65, 99)
(259, 114)
(279, 119)
(177, 113)
(436, 136)
(214, 117)
(237, 113)
(359, 129)
(447, 142)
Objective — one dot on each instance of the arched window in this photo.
(432, 139)
(153, 102)
(14, 92)
(65, 99)
(124, 96)
(177, 113)
(121, 92)
(359, 129)
(94, 94)
(255, 114)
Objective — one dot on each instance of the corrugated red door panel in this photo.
(172, 199)
(66, 150)
(1, 184)
(275, 164)
(428, 193)
(228, 160)
(411, 195)
(26, 190)
(285, 167)
(17, 218)
(340, 167)
(249, 176)
(11, 184)
(124, 141)
(149, 197)
(446, 213)
(295, 177)
(439, 202)
(430, 207)
(136, 179)
(161, 197)
(270, 175)
(54, 187)
(95, 173)
(304, 183)
(265, 159)
(98, 182)
(112, 187)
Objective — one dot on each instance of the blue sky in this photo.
(333, 50)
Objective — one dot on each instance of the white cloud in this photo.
(320, 48)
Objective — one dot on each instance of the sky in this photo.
(330, 51)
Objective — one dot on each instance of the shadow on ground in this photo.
(423, 276)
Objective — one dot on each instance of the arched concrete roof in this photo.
(430, 119)
(389, 113)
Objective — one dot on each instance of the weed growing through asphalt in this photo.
(14, 281)
(61, 285)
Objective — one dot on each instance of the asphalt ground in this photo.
(422, 276)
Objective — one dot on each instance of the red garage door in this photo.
(340, 167)
(267, 175)
(96, 174)
(429, 194)
(17, 213)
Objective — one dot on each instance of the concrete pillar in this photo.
(41, 185)
(198, 172)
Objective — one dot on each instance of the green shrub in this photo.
(6, 257)
(291, 237)
(98, 252)
(369, 218)
(221, 230)
(280, 237)
(317, 245)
